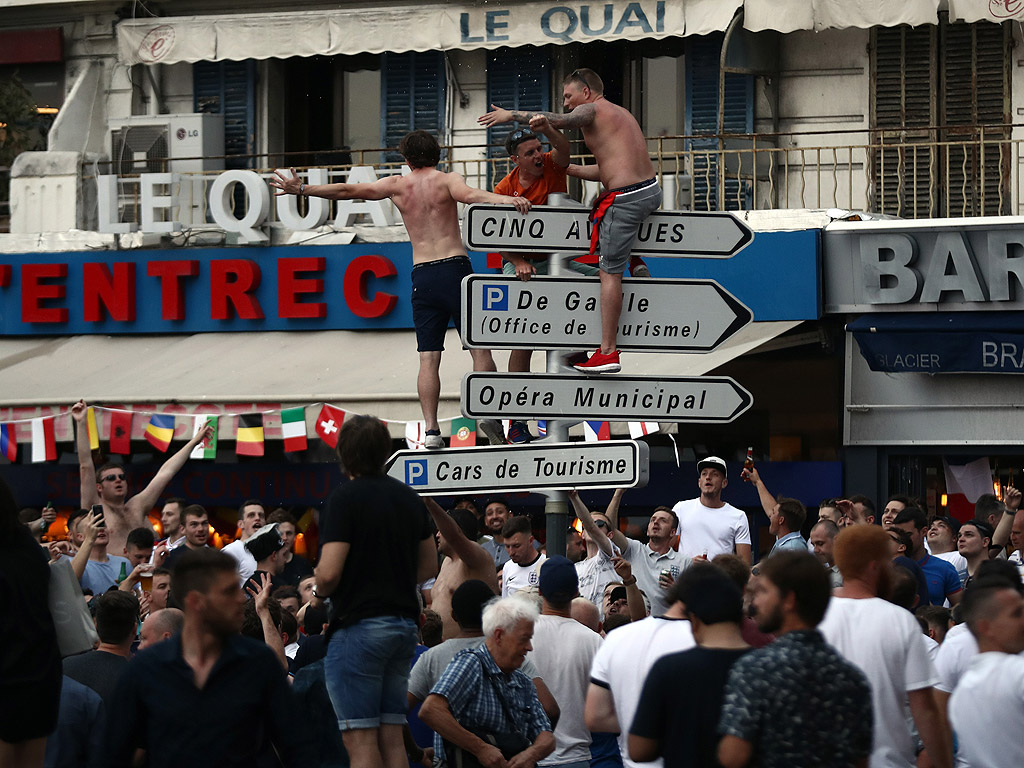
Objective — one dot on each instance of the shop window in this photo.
(228, 88)
(940, 97)
(517, 79)
(702, 86)
(412, 96)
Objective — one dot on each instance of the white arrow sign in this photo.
(537, 467)
(549, 229)
(658, 315)
(703, 399)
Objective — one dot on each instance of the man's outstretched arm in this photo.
(143, 501)
(293, 185)
(461, 192)
(581, 116)
(86, 469)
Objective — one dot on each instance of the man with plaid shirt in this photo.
(483, 692)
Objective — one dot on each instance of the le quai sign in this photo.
(163, 194)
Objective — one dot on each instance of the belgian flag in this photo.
(249, 439)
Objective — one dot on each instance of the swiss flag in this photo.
(121, 432)
(328, 423)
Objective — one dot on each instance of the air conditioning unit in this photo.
(183, 144)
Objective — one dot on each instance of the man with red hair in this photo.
(884, 641)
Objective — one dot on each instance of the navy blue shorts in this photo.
(436, 299)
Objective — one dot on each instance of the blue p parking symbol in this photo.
(416, 472)
(495, 298)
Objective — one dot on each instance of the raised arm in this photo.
(768, 502)
(596, 534)
(260, 593)
(470, 552)
(612, 510)
(559, 144)
(293, 185)
(86, 469)
(461, 192)
(1001, 535)
(581, 116)
(143, 501)
(91, 529)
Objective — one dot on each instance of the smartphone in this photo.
(97, 509)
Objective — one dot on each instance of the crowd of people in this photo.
(428, 636)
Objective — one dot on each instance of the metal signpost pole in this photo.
(556, 508)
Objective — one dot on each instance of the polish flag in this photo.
(44, 446)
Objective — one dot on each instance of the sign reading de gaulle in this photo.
(702, 399)
(538, 467)
(658, 315)
(550, 229)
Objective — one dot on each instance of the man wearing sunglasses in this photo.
(109, 485)
(624, 168)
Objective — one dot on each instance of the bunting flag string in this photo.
(250, 436)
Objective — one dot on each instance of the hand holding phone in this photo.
(97, 509)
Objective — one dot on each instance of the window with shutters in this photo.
(702, 85)
(517, 79)
(412, 97)
(229, 88)
(940, 104)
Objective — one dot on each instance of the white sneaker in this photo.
(433, 442)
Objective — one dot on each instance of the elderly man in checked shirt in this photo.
(483, 692)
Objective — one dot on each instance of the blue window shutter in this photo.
(412, 96)
(702, 60)
(517, 79)
(229, 88)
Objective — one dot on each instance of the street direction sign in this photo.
(537, 467)
(658, 315)
(698, 400)
(551, 229)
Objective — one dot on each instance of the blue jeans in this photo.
(367, 670)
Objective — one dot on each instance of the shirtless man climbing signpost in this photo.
(427, 200)
(624, 168)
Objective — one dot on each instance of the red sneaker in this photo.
(600, 363)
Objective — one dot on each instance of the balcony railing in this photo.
(913, 174)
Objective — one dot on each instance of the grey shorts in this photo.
(618, 225)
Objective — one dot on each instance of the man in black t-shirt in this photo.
(682, 727)
(378, 545)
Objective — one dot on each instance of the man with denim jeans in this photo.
(371, 579)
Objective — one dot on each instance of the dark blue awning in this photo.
(941, 342)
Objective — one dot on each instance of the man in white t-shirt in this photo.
(1017, 541)
(596, 571)
(987, 707)
(563, 651)
(522, 571)
(251, 517)
(709, 526)
(621, 666)
(884, 641)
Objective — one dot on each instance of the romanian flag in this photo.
(596, 430)
(249, 438)
(44, 447)
(121, 432)
(160, 430)
(463, 433)
(293, 429)
(94, 434)
(8, 446)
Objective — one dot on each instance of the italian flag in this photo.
(293, 429)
